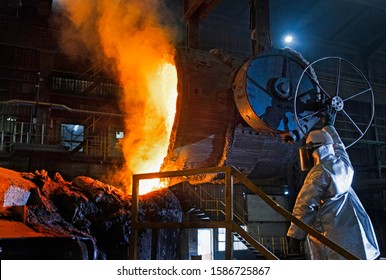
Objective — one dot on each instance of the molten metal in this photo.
(129, 33)
(163, 87)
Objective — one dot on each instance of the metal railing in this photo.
(228, 223)
(24, 133)
(213, 206)
(41, 134)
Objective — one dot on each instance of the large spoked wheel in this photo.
(343, 86)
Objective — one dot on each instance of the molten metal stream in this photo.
(130, 34)
(164, 86)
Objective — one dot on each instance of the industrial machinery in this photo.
(254, 114)
(264, 91)
(278, 92)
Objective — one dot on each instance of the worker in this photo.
(327, 201)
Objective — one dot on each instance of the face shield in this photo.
(305, 155)
(315, 139)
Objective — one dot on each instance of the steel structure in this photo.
(231, 174)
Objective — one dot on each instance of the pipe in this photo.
(57, 106)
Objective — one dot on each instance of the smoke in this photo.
(131, 34)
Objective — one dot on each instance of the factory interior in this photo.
(170, 130)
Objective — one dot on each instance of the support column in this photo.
(228, 214)
(134, 219)
(260, 26)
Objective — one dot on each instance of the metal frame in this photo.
(229, 224)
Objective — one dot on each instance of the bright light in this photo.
(288, 39)
(130, 34)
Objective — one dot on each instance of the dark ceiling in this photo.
(356, 24)
(359, 24)
(351, 29)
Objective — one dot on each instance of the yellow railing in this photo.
(228, 223)
(214, 206)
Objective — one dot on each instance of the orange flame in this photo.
(145, 152)
(130, 33)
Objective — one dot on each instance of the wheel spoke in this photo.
(360, 131)
(338, 77)
(317, 83)
(258, 85)
(355, 95)
(311, 115)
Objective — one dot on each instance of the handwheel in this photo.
(344, 87)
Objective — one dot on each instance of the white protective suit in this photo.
(329, 204)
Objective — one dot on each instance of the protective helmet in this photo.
(315, 139)
(318, 138)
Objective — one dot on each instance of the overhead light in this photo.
(288, 39)
(119, 134)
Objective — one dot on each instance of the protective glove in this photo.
(329, 116)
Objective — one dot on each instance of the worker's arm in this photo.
(339, 147)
